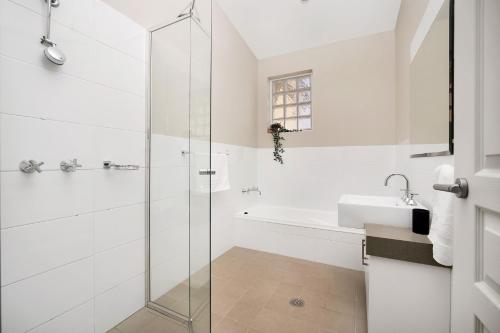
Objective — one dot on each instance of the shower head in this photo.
(55, 55)
(52, 53)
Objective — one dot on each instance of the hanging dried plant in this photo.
(276, 129)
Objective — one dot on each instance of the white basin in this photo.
(356, 210)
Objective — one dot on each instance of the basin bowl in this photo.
(356, 210)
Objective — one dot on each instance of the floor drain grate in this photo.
(297, 302)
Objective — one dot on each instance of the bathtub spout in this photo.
(247, 190)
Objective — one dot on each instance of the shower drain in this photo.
(297, 302)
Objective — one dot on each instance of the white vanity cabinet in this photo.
(405, 296)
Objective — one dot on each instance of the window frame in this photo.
(285, 77)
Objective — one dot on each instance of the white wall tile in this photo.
(116, 188)
(31, 302)
(171, 148)
(421, 170)
(118, 303)
(86, 58)
(167, 214)
(115, 266)
(77, 320)
(119, 31)
(39, 247)
(169, 182)
(119, 146)
(93, 109)
(118, 226)
(324, 174)
(24, 138)
(29, 198)
(110, 64)
(76, 100)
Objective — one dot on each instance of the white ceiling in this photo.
(274, 27)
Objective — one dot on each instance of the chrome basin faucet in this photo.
(406, 192)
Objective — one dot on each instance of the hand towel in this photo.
(219, 181)
(441, 233)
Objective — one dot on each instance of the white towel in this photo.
(219, 181)
(441, 233)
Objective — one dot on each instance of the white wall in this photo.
(242, 173)
(72, 244)
(421, 170)
(315, 178)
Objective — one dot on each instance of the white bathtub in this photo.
(307, 234)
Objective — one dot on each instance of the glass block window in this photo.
(291, 101)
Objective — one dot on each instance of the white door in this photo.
(476, 268)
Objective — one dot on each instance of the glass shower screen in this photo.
(179, 170)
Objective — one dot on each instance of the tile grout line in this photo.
(9, 57)
(74, 123)
(75, 215)
(93, 255)
(84, 34)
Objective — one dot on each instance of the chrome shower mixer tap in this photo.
(30, 166)
(70, 166)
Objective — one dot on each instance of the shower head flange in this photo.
(54, 3)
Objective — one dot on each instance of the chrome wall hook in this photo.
(70, 166)
(30, 166)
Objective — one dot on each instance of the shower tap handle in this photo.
(30, 166)
(36, 165)
(70, 166)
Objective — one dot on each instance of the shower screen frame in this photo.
(187, 320)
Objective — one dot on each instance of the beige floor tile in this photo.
(340, 304)
(221, 304)
(251, 291)
(233, 288)
(230, 326)
(361, 326)
(278, 303)
(268, 285)
(314, 299)
(295, 277)
(114, 330)
(360, 310)
(336, 322)
(244, 312)
(268, 321)
(165, 325)
(258, 297)
(216, 319)
(289, 289)
(137, 322)
(300, 326)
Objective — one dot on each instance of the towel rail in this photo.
(187, 152)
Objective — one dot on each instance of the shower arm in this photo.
(50, 4)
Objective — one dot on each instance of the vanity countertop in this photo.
(399, 243)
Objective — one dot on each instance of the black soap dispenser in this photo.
(421, 221)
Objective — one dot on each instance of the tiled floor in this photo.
(148, 321)
(251, 291)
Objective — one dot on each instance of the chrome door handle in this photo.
(460, 188)
(206, 172)
(363, 257)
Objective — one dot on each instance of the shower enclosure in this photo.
(179, 168)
